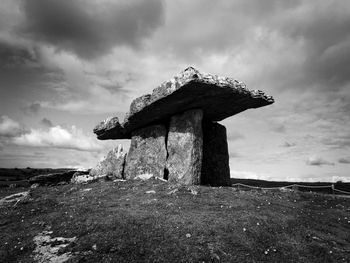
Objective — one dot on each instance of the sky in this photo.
(66, 65)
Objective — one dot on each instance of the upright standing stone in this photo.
(112, 165)
(184, 146)
(215, 167)
(147, 153)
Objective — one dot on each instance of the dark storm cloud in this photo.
(337, 141)
(319, 32)
(13, 55)
(91, 29)
(318, 161)
(24, 75)
(344, 160)
(324, 30)
(288, 144)
(46, 122)
(32, 108)
(327, 38)
(216, 26)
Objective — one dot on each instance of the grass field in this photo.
(121, 222)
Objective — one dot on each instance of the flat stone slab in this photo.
(218, 97)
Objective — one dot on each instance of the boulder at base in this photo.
(112, 165)
(147, 153)
(215, 165)
(185, 141)
(80, 177)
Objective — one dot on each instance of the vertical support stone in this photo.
(112, 165)
(215, 166)
(147, 153)
(184, 145)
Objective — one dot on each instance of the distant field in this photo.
(151, 221)
(19, 176)
(313, 186)
(16, 174)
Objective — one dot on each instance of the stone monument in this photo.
(174, 131)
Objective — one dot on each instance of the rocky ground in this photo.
(151, 221)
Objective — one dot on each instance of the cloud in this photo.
(13, 54)
(32, 108)
(344, 160)
(58, 137)
(234, 154)
(10, 128)
(324, 30)
(248, 175)
(318, 161)
(91, 29)
(289, 43)
(337, 140)
(46, 122)
(234, 136)
(288, 144)
(13, 133)
(279, 128)
(88, 57)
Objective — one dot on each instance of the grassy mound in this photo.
(151, 221)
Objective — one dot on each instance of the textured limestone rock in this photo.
(215, 165)
(51, 249)
(218, 97)
(109, 128)
(112, 165)
(147, 153)
(184, 147)
(15, 198)
(81, 177)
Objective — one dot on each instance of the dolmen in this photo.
(174, 131)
